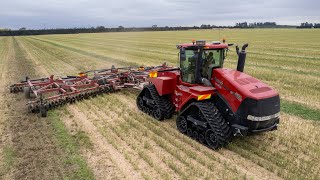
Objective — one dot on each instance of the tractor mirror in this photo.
(237, 49)
(182, 54)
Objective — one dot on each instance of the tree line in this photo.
(24, 31)
(257, 25)
(98, 29)
(309, 25)
(274, 25)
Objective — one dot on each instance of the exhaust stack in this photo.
(242, 57)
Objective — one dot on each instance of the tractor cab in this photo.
(198, 59)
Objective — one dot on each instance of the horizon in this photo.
(83, 27)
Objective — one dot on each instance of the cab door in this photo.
(188, 65)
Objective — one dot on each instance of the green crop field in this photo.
(109, 138)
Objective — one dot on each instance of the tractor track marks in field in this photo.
(103, 150)
(117, 135)
(6, 53)
(31, 138)
(286, 151)
(123, 55)
(39, 66)
(54, 64)
(125, 128)
(10, 113)
(97, 163)
(92, 156)
(60, 61)
(92, 54)
(222, 156)
(105, 44)
(247, 148)
(195, 157)
(36, 155)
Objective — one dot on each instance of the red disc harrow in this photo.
(48, 93)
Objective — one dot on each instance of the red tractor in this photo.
(213, 103)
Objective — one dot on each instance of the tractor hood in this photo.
(236, 86)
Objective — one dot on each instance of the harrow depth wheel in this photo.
(26, 91)
(43, 111)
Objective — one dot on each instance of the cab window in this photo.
(212, 58)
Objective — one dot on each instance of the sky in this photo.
(42, 14)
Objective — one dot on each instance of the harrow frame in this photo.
(47, 93)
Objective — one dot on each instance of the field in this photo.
(108, 138)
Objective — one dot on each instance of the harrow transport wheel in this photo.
(157, 113)
(26, 91)
(43, 111)
(182, 124)
(30, 108)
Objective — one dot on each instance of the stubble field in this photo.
(108, 138)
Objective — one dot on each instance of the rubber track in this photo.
(164, 103)
(215, 121)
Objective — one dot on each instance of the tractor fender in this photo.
(164, 85)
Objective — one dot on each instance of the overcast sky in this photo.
(34, 14)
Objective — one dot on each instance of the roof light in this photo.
(201, 43)
(224, 40)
